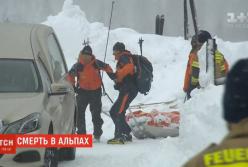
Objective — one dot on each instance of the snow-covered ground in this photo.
(201, 121)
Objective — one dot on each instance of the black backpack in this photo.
(143, 74)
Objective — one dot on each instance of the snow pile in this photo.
(201, 121)
(166, 54)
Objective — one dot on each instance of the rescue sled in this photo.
(154, 120)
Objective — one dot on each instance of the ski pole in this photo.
(109, 98)
(161, 26)
(140, 44)
(194, 16)
(106, 48)
(110, 22)
(186, 25)
(104, 91)
(185, 99)
(157, 25)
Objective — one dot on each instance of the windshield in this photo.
(18, 76)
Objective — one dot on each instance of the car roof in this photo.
(16, 39)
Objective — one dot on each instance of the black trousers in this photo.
(92, 98)
(118, 110)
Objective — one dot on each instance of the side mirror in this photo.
(58, 89)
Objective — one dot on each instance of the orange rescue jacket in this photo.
(192, 72)
(89, 75)
(125, 67)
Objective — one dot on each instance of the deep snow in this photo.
(201, 121)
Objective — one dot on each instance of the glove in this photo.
(112, 76)
(117, 87)
(76, 89)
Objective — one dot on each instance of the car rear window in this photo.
(18, 76)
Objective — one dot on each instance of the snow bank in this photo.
(201, 116)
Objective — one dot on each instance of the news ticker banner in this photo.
(9, 143)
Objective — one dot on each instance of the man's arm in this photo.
(187, 76)
(73, 72)
(127, 67)
(103, 66)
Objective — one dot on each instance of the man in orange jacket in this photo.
(191, 80)
(124, 78)
(88, 88)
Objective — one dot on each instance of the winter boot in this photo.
(96, 139)
(126, 137)
(116, 140)
(129, 138)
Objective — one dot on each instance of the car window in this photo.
(18, 76)
(57, 61)
(45, 76)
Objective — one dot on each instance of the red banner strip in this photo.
(9, 143)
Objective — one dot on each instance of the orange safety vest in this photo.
(191, 79)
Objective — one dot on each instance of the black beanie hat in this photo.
(236, 93)
(119, 46)
(204, 36)
(86, 50)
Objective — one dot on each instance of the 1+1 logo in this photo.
(238, 19)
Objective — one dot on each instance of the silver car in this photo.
(35, 97)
